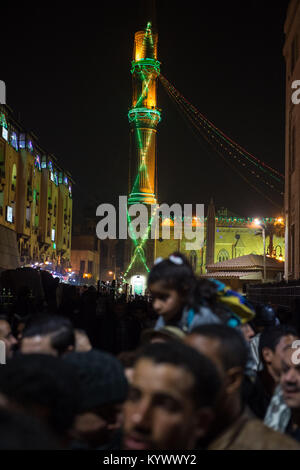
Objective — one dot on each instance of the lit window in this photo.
(44, 162)
(3, 120)
(22, 141)
(9, 214)
(14, 140)
(4, 133)
(30, 146)
(37, 162)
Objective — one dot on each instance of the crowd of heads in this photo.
(197, 367)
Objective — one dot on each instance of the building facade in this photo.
(85, 257)
(291, 53)
(112, 259)
(85, 253)
(226, 237)
(35, 198)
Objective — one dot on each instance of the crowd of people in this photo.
(196, 368)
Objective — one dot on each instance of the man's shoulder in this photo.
(249, 433)
(260, 437)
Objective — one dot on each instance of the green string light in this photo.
(217, 138)
(263, 167)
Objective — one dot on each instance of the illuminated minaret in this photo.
(144, 118)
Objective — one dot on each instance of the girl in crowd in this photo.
(182, 300)
(173, 285)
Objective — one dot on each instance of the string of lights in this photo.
(233, 149)
(220, 153)
(217, 143)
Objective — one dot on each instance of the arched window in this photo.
(223, 255)
(44, 162)
(14, 177)
(55, 206)
(193, 259)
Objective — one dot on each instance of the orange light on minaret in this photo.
(144, 118)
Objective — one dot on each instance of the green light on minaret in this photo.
(143, 118)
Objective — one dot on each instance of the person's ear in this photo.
(204, 419)
(267, 355)
(234, 379)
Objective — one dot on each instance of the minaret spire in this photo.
(144, 117)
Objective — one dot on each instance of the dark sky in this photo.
(67, 73)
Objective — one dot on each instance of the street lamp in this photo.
(261, 225)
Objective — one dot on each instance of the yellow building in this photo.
(85, 254)
(35, 199)
(227, 237)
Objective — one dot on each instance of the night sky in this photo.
(67, 73)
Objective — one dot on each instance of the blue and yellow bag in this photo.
(234, 301)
